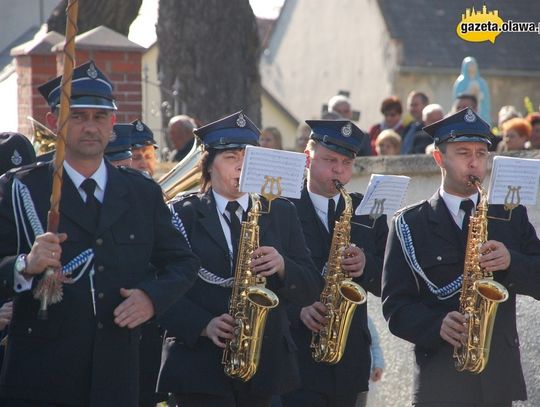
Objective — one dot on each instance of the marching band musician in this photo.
(199, 324)
(331, 150)
(424, 265)
(113, 223)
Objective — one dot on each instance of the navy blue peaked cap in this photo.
(341, 136)
(119, 147)
(90, 88)
(464, 125)
(15, 150)
(234, 131)
(141, 135)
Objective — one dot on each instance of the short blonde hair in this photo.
(389, 135)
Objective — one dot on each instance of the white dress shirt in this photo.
(221, 203)
(320, 203)
(453, 202)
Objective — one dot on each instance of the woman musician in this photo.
(199, 325)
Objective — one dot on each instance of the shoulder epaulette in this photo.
(25, 168)
(409, 207)
(135, 171)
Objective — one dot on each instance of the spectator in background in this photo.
(341, 105)
(416, 101)
(388, 143)
(180, 133)
(271, 138)
(516, 133)
(463, 101)
(505, 113)
(534, 121)
(391, 109)
(432, 113)
(302, 137)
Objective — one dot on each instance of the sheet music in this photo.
(384, 195)
(513, 176)
(260, 162)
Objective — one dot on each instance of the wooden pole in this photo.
(49, 289)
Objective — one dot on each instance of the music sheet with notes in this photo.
(514, 180)
(261, 162)
(385, 194)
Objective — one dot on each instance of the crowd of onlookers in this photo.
(400, 131)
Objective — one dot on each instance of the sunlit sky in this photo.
(143, 32)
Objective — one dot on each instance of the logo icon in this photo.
(479, 26)
(241, 121)
(346, 130)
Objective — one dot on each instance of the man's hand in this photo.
(314, 316)
(354, 261)
(267, 261)
(6, 313)
(136, 309)
(453, 329)
(46, 252)
(494, 256)
(220, 328)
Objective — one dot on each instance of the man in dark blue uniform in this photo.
(113, 223)
(199, 324)
(331, 151)
(424, 266)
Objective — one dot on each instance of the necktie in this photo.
(234, 225)
(331, 215)
(92, 204)
(467, 205)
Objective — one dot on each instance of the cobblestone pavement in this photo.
(394, 390)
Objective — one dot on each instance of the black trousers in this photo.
(304, 398)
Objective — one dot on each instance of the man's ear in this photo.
(308, 158)
(437, 156)
(113, 119)
(51, 120)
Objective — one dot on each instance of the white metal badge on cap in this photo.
(346, 130)
(113, 136)
(139, 126)
(16, 158)
(469, 116)
(92, 72)
(241, 121)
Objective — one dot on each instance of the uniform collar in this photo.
(100, 176)
(453, 202)
(320, 203)
(221, 201)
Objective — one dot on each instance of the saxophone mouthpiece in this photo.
(338, 184)
(473, 180)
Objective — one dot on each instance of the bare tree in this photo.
(210, 49)
(115, 14)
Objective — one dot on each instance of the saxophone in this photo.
(249, 304)
(340, 294)
(480, 294)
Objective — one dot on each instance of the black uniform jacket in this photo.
(351, 374)
(75, 357)
(415, 314)
(192, 363)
